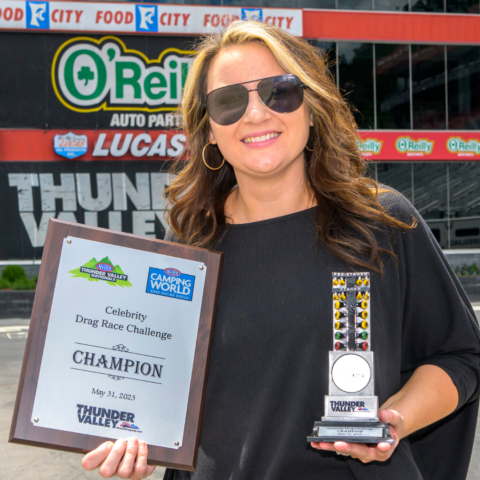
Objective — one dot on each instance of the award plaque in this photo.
(118, 344)
(351, 408)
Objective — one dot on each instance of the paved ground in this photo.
(27, 463)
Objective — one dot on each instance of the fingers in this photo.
(92, 460)
(363, 452)
(109, 467)
(128, 460)
(323, 446)
(142, 470)
(127, 464)
(150, 469)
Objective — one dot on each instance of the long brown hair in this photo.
(349, 213)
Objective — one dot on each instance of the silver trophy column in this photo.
(351, 408)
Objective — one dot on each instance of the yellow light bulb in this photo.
(364, 304)
(359, 296)
(335, 281)
(367, 296)
(359, 281)
(342, 281)
(364, 314)
(366, 281)
(364, 324)
(343, 297)
(337, 305)
(335, 297)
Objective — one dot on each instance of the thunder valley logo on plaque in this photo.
(104, 269)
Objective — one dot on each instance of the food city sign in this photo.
(131, 18)
(90, 75)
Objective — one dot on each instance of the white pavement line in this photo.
(22, 328)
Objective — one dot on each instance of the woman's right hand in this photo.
(122, 458)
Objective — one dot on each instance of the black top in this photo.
(269, 361)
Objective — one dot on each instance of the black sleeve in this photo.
(439, 324)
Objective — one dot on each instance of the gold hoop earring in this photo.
(206, 164)
(309, 149)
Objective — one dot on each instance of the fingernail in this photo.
(143, 445)
(109, 445)
(134, 442)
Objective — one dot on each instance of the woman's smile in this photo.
(261, 139)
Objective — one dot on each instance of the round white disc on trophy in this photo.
(351, 373)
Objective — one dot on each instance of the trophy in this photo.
(351, 408)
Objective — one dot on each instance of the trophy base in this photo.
(351, 432)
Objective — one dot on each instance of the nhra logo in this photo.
(170, 283)
(458, 145)
(409, 145)
(38, 15)
(89, 75)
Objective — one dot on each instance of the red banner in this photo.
(57, 145)
(420, 145)
(380, 145)
(397, 27)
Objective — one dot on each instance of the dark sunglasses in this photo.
(282, 94)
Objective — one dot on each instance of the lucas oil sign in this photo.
(91, 75)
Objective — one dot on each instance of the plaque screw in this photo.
(69, 240)
(200, 267)
(36, 419)
(177, 444)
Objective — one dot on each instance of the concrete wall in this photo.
(16, 304)
(459, 258)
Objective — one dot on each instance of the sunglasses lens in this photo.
(227, 105)
(283, 94)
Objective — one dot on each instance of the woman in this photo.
(275, 181)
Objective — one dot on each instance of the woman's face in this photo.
(290, 131)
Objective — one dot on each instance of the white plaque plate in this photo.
(120, 343)
(351, 373)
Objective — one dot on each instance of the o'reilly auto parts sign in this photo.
(88, 82)
(90, 75)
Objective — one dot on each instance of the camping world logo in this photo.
(170, 282)
(89, 75)
(104, 269)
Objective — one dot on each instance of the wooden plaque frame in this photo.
(24, 432)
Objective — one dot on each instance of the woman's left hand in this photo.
(370, 452)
